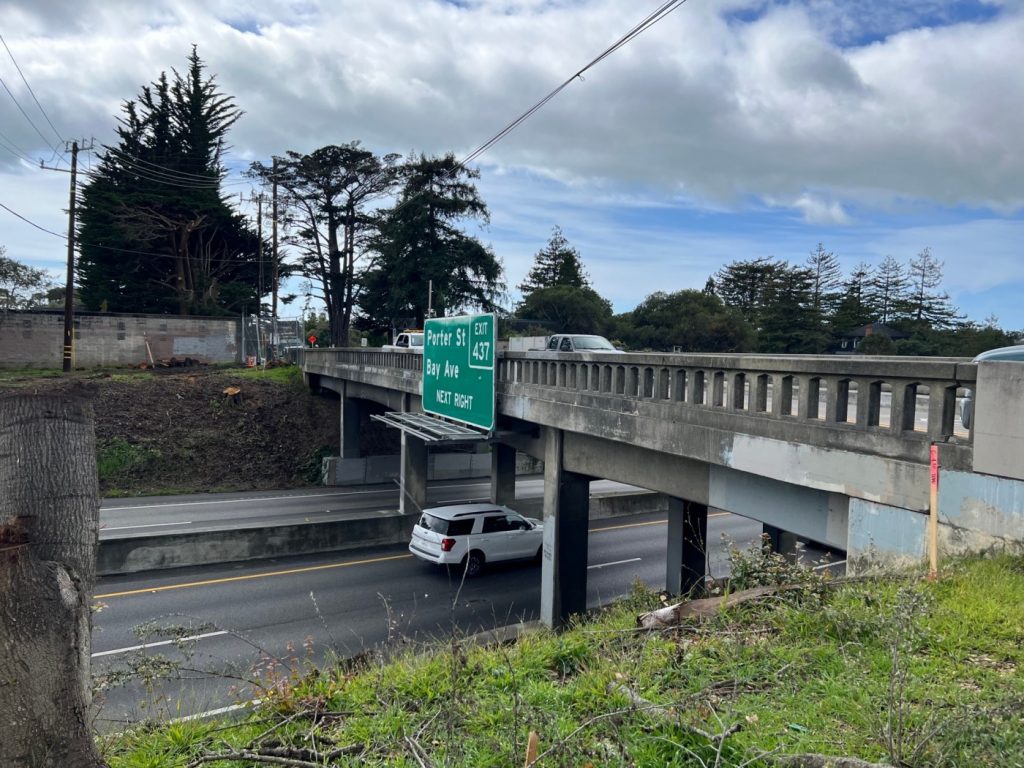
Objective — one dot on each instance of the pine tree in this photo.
(747, 286)
(790, 323)
(826, 279)
(420, 242)
(925, 304)
(888, 290)
(854, 309)
(326, 196)
(557, 263)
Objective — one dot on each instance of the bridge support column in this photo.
(566, 514)
(413, 475)
(686, 557)
(781, 541)
(503, 474)
(350, 414)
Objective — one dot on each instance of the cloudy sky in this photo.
(730, 130)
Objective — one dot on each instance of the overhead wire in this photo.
(33, 93)
(29, 221)
(25, 114)
(15, 150)
(172, 177)
(164, 170)
(649, 21)
(646, 23)
(80, 243)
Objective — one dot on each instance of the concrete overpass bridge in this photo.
(829, 448)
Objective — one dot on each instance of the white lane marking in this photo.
(148, 525)
(215, 712)
(617, 562)
(269, 498)
(162, 642)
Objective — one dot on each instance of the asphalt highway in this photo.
(264, 615)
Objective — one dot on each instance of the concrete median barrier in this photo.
(180, 550)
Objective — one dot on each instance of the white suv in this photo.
(469, 535)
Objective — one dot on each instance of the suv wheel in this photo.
(472, 564)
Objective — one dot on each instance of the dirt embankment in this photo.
(178, 432)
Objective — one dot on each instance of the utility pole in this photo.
(259, 259)
(69, 289)
(273, 254)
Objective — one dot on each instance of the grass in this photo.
(290, 375)
(896, 669)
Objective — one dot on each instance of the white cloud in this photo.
(721, 106)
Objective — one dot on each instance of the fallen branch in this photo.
(824, 761)
(674, 615)
(289, 756)
(418, 752)
(668, 714)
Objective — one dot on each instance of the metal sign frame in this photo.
(459, 355)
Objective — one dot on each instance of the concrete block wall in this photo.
(36, 339)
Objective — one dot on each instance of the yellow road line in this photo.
(208, 582)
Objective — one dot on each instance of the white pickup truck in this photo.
(407, 341)
(578, 342)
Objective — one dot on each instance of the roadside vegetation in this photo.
(895, 671)
(202, 429)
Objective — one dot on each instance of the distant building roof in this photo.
(872, 328)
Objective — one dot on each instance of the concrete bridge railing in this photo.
(894, 407)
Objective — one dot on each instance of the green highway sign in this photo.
(458, 368)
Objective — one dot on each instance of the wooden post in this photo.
(933, 515)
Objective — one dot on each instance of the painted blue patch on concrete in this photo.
(984, 503)
(883, 530)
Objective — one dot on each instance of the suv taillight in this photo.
(447, 544)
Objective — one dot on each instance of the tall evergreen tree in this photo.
(155, 232)
(790, 323)
(925, 304)
(567, 309)
(326, 195)
(826, 279)
(747, 286)
(888, 290)
(853, 309)
(420, 243)
(557, 263)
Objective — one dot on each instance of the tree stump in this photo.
(49, 525)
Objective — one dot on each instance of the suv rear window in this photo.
(446, 527)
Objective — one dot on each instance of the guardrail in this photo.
(916, 396)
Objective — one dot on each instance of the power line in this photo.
(14, 149)
(25, 114)
(24, 80)
(162, 169)
(151, 254)
(32, 223)
(649, 21)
